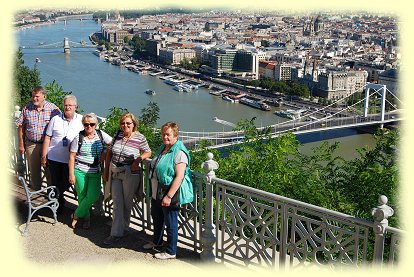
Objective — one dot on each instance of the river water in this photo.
(100, 86)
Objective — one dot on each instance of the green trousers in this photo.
(88, 187)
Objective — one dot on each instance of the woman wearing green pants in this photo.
(85, 168)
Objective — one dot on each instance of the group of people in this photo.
(74, 152)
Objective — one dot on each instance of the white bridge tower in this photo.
(382, 90)
(66, 47)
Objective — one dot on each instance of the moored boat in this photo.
(227, 98)
(178, 88)
(255, 103)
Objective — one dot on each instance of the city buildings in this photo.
(333, 54)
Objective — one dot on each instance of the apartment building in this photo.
(175, 55)
(338, 84)
(373, 70)
(153, 46)
(209, 26)
(288, 57)
(114, 34)
(233, 60)
(390, 79)
(201, 51)
(283, 72)
(267, 69)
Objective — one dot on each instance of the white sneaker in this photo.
(164, 256)
(150, 245)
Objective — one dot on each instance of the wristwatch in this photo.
(168, 196)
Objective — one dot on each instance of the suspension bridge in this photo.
(66, 45)
(379, 106)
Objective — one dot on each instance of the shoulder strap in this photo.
(80, 141)
(100, 137)
(114, 138)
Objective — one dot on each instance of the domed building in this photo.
(313, 26)
(319, 24)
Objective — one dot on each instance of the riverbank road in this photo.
(59, 244)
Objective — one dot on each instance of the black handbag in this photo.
(162, 191)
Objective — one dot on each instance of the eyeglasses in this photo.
(126, 123)
(69, 105)
(89, 124)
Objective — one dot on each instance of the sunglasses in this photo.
(126, 123)
(89, 124)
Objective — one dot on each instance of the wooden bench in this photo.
(36, 200)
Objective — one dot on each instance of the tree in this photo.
(374, 173)
(25, 80)
(321, 178)
(55, 94)
(190, 64)
(111, 125)
(265, 43)
(139, 45)
(148, 121)
(150, 115)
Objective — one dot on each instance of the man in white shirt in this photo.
(60, 132)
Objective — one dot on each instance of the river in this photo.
(100, 86)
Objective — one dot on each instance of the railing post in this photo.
(380, 214)
(207, 234)
(20, 166)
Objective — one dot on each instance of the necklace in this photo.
(90, 136)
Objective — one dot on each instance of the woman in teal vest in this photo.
(170, 175)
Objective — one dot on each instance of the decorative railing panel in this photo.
(258, 228)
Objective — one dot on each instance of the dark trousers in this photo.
(59, 173)
(165, 217)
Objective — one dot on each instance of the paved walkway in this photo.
(61, 244)
(46, 243)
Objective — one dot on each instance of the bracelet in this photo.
(168, 196)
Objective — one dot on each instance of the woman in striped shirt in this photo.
(85, 168)
(121, 170)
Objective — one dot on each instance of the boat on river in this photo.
(150, 92)
(258, 104)
(291, 114)
(227, 98)
(178, 88)
(97, 53)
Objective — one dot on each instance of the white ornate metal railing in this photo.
(232, 223)
(271, 230)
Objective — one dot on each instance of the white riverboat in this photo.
(255, 103)
(291, 114)
(227, 98)
(178, 88)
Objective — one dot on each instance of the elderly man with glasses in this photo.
(60, 132)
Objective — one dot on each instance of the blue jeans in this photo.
(165, 217)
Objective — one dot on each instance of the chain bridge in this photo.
(66, 45)
(379, 106)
